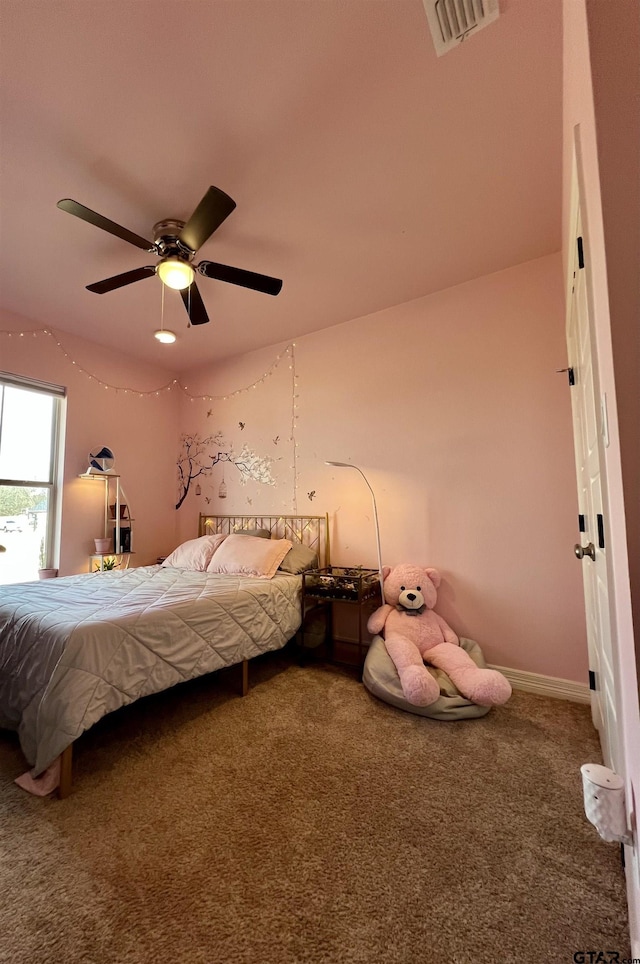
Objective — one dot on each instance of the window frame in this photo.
(58, 393)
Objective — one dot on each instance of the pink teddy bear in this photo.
(415, 634)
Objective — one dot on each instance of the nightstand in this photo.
(336, 604)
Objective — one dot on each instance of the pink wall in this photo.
(449, 403)
(452, 406)
(141, 431)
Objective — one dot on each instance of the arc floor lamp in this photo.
(350, 465)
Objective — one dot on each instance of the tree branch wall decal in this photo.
(199, 455)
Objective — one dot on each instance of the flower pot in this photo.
(103, 545)
(47, 573)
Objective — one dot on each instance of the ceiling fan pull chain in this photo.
(164, 336)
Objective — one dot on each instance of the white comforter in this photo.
(77, 648)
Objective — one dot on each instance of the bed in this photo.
(77, 648)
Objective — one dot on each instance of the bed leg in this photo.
(244, 688)
(66, 763)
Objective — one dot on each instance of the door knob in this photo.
(582, 551)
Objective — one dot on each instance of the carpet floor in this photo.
(309, 822)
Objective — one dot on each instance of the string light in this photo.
(174, 383)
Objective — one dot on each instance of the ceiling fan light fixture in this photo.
(175, 273)
(166, 337)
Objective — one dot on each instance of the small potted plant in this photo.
(43, 572)
(108, 563)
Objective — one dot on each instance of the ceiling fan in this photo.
(176, 243)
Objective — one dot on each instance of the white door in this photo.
(589, 432)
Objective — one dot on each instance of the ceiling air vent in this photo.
(452, 21)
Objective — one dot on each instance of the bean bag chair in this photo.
(381, 678)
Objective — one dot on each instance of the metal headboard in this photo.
(309, 530)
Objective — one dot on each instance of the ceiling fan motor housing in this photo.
(166, 238)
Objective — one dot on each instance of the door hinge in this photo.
(580, 253)
(570, 374)
(592, 680)
(600, 519)
(582, 523)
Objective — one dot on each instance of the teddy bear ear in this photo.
(434, 576)
(385, 571)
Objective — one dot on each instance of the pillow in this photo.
(249, 556)
(298, 559)
(259, 533)
(195, 554)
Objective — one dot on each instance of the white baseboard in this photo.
(561, 689)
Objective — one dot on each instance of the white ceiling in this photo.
(366, 170)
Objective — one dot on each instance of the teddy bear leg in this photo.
(418, 685)
(486, 687)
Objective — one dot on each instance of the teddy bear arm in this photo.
(447, 632)
(378, 618)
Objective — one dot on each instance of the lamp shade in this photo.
(175, 273)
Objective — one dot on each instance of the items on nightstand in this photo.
(330, 597)
(415, 634)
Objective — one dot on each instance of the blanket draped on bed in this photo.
(77, 648)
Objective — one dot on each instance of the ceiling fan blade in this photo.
(120, 280)
(80, 211)
(214, 207)
(195, 305)
(238, 276)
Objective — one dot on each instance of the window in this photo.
(31, 420)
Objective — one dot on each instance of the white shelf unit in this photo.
(117, 524)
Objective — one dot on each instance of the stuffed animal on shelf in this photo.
(415, 634)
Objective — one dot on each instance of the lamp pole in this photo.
(350, 465)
